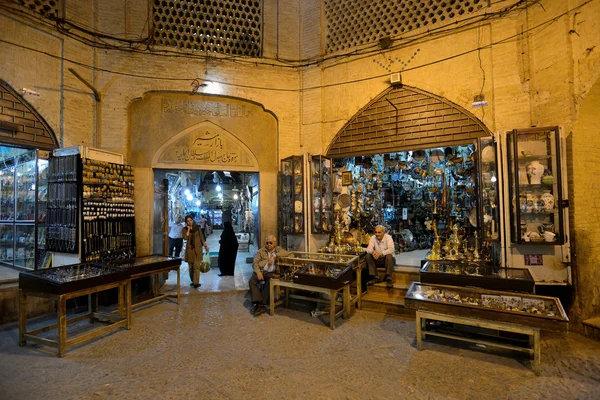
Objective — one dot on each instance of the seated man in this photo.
(265, 266)
(380, 252)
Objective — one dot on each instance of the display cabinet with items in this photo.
(535, 186)
(324, 275)
(90, 207)
(489, 216)
(479, 275)
(42, 256)
(321, 178)
(522, 309)
(292, 195)
(296, 260)
(19, 191)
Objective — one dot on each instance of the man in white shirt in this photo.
(380, 252)
(176, 237)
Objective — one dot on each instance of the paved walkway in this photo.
(210, 347)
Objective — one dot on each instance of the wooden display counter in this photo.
(332, 293)
(64, 283)
(152, 266)
(532, 348)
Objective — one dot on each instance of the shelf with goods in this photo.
(292, 194)
(90, 211)
(536, 207)
(25, 246)
(489, 210)
(19, 181)
(7, 191)
(321, 178)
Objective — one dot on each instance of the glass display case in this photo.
(296, 260)
(144, 264)
(21, 184)
(70, 278)
(536, 207)
(42, 256)
(489, 215)
(320, 274)
(479, 275)
(522, 309)
(291, 188)
(321, 194)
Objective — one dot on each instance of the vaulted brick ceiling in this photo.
(403, 118)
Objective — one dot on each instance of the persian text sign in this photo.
(207, 108)
(207, 147)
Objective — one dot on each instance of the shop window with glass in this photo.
(23, 190)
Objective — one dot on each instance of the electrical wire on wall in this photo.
(145, 44)
(533, 31)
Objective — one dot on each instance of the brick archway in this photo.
(405, 118)
(21, 124)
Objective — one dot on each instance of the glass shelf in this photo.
(488, 214)
(292, 195)
(517, 308)
(536, 210)
(22, 234)
(478, 275)
(322, 194)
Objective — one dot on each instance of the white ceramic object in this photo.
(549, 236)
(535, 171)
(548, 200)
(487, 154)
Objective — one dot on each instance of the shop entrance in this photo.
(413, 162)
(215, 199)
(417, 195)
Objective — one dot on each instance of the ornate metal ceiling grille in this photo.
(351, 23)
(232, 27)
(47, 8)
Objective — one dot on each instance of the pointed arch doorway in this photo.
(407, 151)
(404, 118)
(209, 173)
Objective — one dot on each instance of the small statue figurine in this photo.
(436, 250)
(476, 255)
(454, 244)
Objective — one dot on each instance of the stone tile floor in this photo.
(210, 347)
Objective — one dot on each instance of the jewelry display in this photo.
(105, 214)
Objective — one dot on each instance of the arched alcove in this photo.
(205, 145)
(406, 118)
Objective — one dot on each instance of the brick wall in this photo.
(542, 77)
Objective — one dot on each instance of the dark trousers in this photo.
(260, 289)
(177, 244)
(387, 261)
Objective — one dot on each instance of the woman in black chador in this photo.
(228, 250)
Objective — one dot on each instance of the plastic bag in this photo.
(205, 264)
